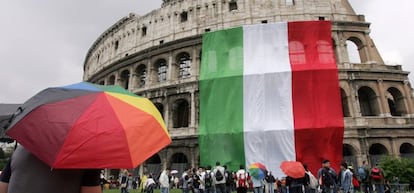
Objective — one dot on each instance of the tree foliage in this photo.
(403, 168)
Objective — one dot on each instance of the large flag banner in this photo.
(270, 93)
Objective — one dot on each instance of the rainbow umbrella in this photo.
(85, 125)
(257, 170)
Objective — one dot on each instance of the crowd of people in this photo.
(219, 179)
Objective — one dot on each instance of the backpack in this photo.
(376, 174)
(242, 180)
(327, 178)
(207, 179)
(362, 173)
(313, 182)
(229, 178)
(355, 182)
(219, 176)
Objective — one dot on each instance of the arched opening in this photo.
(352, 46)
(160, 108)
(181, 113)
(102, 82)
(111, 80)
(407, 150)
(297, 53)
(376, 152)
(153, 165)
(184, 63)
(161, 66)
(345, 106)
(349, 154)
(179, 162)
(368, 102)
(325, 52)
(395, 102)
(141, 72)
(124, 82)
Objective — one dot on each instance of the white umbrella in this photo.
(174, 172)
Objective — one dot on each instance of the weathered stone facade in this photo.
(158, 56)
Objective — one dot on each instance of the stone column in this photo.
(383, 107)
(192, 109)
(166, 110)
(408, 102)
(170, 68)
(131, 78)
(356, 109)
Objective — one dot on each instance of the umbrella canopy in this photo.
(293, 169)
(174, 172)
(257, 170)
(89, 126)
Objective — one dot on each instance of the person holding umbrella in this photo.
(29, 174)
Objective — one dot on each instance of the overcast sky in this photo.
(43, 43)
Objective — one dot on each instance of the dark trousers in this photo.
(220, 188)
(242, 190)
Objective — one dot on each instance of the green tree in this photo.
(403, 168)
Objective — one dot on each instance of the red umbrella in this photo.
(293, 169)
(89, 126)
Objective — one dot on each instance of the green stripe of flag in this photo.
(221, 109)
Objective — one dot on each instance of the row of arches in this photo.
(157, 73)
(375, 152)
(370, 102)
(182, 63)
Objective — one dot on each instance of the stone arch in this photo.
(183, 60)
(153, 165)
(395, 102)
(102, 82)
(354, 46)
(179, 162)
(349, 154)
(141, 75)
(376, 152)
(407, 150)
(111, 80)
(124, 79)
(161, 68)
(345, 105)
(368, 101)
(160, 108)
(181, 113)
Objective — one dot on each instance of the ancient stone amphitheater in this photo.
(158, 56)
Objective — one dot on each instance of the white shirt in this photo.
(164, 181)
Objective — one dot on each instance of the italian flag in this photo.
(270, 93)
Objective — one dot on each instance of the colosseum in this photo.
(158, 56)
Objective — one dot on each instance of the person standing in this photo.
(242, 180)
(346, 178)
(208, 180)
(124, 181)
(219, 178)
(377, 179)
(164, 181)
(295, 185)
(327, 176)
(150, 184)
(270, 181)
(257, 185)
(26, 173)
(363, 174)
(185, 178)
